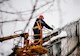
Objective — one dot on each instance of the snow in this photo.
(62, 34)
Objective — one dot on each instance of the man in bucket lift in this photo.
(37, 28)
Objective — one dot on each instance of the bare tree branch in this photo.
(17, 13)
(31, 15)
(27, 10)
(12, 21)
(1, 1)
(45, 10)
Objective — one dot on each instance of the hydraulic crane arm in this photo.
(12, 36)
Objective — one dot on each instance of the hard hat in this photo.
(41, 17)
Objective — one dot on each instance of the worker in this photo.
(38, 26)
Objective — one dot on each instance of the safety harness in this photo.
(40, 28)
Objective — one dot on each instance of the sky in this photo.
(57, 13)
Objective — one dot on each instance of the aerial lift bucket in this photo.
(31, 50)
